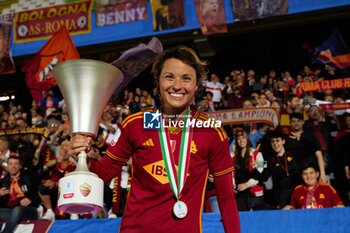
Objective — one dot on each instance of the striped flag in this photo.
(333, 51)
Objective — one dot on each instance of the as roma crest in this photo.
(85, 189)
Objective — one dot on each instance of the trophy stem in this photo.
(82, 163)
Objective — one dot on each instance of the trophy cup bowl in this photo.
(86, 85)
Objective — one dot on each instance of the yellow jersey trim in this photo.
(224, 171)
(116, 158)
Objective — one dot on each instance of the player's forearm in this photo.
(106, 168)
(227, 203)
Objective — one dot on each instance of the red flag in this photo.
(38, 69)
(308, 47)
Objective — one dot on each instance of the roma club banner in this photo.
(6, 63)
(256, 9)
(128, 11)
(38, 69)
(211, 16)
(168, 14)
(237, 116)
(323, 85)
(42, 23)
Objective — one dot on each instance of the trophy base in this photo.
(80, 208)
(80, 193)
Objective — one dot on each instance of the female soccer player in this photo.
(170, 163)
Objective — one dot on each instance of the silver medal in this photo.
(180, 209)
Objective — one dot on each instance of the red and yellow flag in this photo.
(38, 69)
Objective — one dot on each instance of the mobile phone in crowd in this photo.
(309, 100)
(262, 164)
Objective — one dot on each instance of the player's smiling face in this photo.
(177, 85)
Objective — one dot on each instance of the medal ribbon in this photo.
(176, 179)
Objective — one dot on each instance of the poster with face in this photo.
(256, 9)
(168, 14)
(6, 63)
(211, 16)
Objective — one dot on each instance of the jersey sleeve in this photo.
(227, 203)
(120, 148)
(335, 199)
(106, 168)
(117, 154)
(220, 160)
(294, 199)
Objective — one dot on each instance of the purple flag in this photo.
(133, 61)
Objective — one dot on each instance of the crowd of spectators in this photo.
(270, 162)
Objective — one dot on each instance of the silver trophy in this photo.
(87, 86)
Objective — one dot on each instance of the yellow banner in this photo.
(22, 131)
(42, 23)
(6, 4)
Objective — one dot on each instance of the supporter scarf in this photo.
(237, 116)
(310, 199)
(342, 83)
(334, 106)
(23, 131)
(16, 193)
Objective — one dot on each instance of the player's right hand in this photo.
(77, 144)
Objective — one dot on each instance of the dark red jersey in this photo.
(325, 196)
(61, 170)
(285, 123)
(150, 201)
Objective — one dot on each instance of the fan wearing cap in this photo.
(249, 166)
